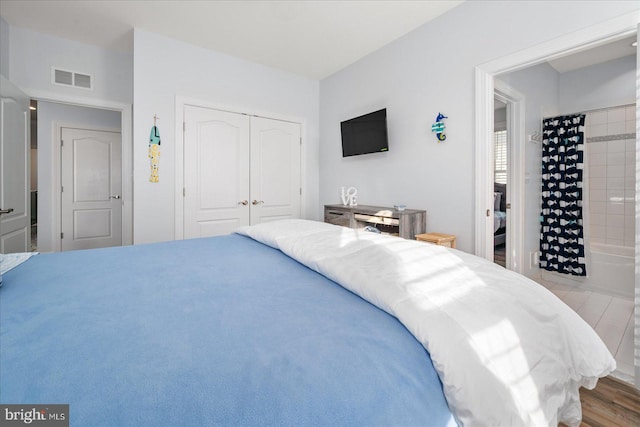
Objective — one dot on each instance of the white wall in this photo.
(500, 119)
(33, 54)
(5, 37)
(48, 114)
(165, 68)
(603, 85)
(428, 71)
(539, 85)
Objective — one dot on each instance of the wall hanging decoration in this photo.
(438, 127)
(154, 151)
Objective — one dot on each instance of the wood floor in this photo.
(499, 255)
(612, 403)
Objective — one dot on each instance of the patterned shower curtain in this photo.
(561, 237)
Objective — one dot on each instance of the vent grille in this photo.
(63, 77)
(82, 80)
(71, 78)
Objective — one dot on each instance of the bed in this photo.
(499, 214)
(291, 323)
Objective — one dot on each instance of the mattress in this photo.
(507, 350)
(212, 331)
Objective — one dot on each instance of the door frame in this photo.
(126, 126)
(57, 176)
(614, 29)
(595, 35)
(516, 115)
(181, 102)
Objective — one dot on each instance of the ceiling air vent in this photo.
(71, 78)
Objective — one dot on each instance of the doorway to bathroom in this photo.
(605, 311)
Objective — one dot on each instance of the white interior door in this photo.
(91, 178)
(216, 172)
(15, 232)
(275, 170)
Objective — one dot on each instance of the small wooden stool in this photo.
(448, 240)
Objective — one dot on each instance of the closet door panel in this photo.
(275, 170)
(216, 172)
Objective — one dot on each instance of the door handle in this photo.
(255, 202)
(244, 203)
(117, 196)
(6, 211)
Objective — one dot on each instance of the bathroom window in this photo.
(500, 150)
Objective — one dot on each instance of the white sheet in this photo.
(508, 351)
(9, 261)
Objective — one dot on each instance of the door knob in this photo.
(117, 196)
(244, 203)
(6, 211)
(255, 202)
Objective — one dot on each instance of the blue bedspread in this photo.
(203, 332)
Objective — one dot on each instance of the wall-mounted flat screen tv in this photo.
(365, 134)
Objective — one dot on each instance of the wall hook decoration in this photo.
(438, 127)
(154, 151)
(536, 136)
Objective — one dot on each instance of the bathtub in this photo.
(610, 269)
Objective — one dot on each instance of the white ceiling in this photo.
(310, 38)
(596, 55)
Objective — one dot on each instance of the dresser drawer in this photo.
(338, 218)
(377, 219)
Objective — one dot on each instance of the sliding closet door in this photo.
(216, 172)
(275, 170)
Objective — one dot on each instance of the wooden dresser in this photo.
(407, 223)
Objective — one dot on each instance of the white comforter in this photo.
(508, 352)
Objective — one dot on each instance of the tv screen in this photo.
(365, 134)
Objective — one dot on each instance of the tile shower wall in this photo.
(611, 153)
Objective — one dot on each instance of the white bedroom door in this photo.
(216, 172)
(15, 233)
(275, 170)
(91, 193)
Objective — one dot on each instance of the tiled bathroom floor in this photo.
(611, 317)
